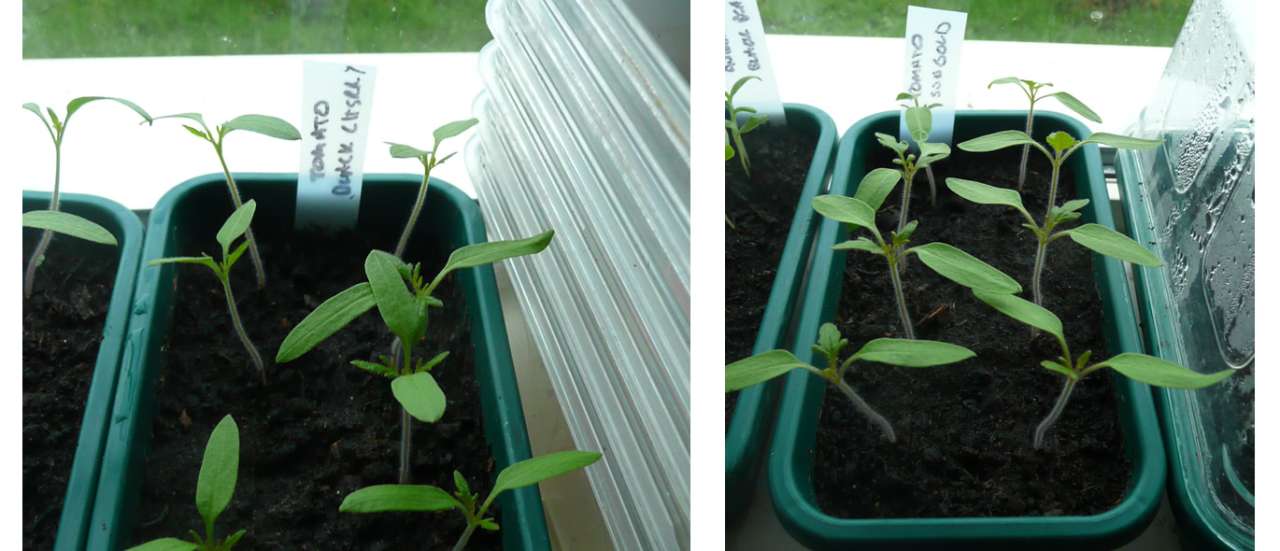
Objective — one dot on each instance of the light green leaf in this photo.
(419, 395)
(912, 352)
(398, 497)
(535, 470)
(195, 132)
(75, 105)
(919, 123)
(233, 539)
(375, 368)
(984, 194)
(965, 269)
(847, 210)
(166, 544)
(36, 109)
(218, 471)
(733, 91)
(1005, 80)
(1074, 205)
(728, 151)
(189, 116)
(1162, 373)
(402, 151)
(489, 525)
(395, 302)
(325, 320)
(1060, 141)
(67, 224)
(996, 141)
(932, 152)
(1121, 142)
(1059, 369)
(876, 186)
(480, 254)
(1024, 311)
(891, 142)
(236, 225)
(235, 255)
(263, 124)
(753, 122)
(205, 261)
(1109, 242)
(859, 244)
(434, 361)
(830, 342)
(460, 483)
(452, 129)
(1075, 105)
(759, 368)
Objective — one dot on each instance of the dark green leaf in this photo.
(535, 470)
(325, 320)
(1121, 142)
(218, 470)
(903, 96)
(236, 225)
(68, 224)
(912, 353)
(1075, 105)
(451, 129)
(402, 151)
(1162, 373)
(419, 395)
(263, 124)
(480, 254)
(965, 269)
(1024, 311)
(460, 483)
(396, 304)
(398, 497)
(996, 141)
(984, 194)
(1107, 241)
(759, 368)
(233, 539)
(876, 186)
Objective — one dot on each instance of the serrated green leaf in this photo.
(402, 151)
(451, 129)
(398, 497)
(1024, 311)
(965, 269)
(830, 342)
(236, 225)
(996, 141)
(876, 186)
(983, 194)
(480, 254)
(535, 470)
(266, 125)
(396, 304)
(1109, 242)
(420, 395)
(912, 352)
(218, 471)
(759, 368)
(166, 544)
(891, 142)
(1162, 373)
(1076, 105)
(67, 224)
(325, 320)
(1121, 142)
(1061, 141)
(847, 210)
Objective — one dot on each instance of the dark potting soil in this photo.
(761, 208)
(965, 430)
(321, 428)
(62, 326)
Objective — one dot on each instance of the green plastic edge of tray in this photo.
(791, 463)
(523, 522)
(73, 525)
(1204, 526)
(748, 429)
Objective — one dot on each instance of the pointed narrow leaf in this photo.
(402, 151)
(1057, 368)
(984, 194)
(965, 269)
(1075, 105)
(375, 368)
(420, 396)
(859, 244)
(235, 255)
(460, 483)
(1005, 80)
(1121, 142)
(759, 368)
(218, 470)
(266, 125)
(75, 105)
(166, 544)
(1162, 373)
(733, 91)
(395, 303)
(728, 152)
(205, 261)
(397, 497)
(325, 320)
(236, 225)
(1109, 242)
(487, 253)
(195, 132)
(189, 116)
(876, 186)
(535, 470)
(1074, 205)
(489, 525)
(752, 123)
(434, 361)
(36, 109)
(912, 353)
(67, 224)
(233, 539)
(441, 160)
(1024, 311)
(995, 141)
(452, 129)
(847, 210)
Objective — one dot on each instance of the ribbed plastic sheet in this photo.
(584, 129)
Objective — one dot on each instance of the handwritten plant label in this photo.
(934, 40)
(337, 101)
(745, 53)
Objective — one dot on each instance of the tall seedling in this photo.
(429, 160)
(1032, 90)
(734, 132)
(54, 220)
(260, 124)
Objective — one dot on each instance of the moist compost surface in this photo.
(964, 430)
(321, 428)
(61, 329)
(761, 208)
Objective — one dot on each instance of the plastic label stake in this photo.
(934, 41)
(337, 101)
(745, 53)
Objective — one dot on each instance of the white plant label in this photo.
(337, 101)
(934, 40)
(745, 54)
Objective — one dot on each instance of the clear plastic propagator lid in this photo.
(1195, 205)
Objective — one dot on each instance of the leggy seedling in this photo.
(260, 124)
(424, 498)
(948, 261)
(735, 132)
(900, 352)
(919, 124)
(429, 161)
(236, 226)
(214, 490)
(1139, 367)
(54, 220)
(1096, 237)
(1032, 90)
(402, 298)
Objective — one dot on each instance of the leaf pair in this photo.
(427, 156)
(1012, 138)
(232, 229)
(266, 125)
(57, 127)
(1032, 89)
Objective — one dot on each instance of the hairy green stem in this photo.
(234, 190)
(933, 187)
(908, 176)
(1026, 149)
(417, 209)
(1047, 423)
(466, 536)
(46, 236)
(901, 299)
(1053, 186)
(865, 409)
(239, 326)
(1042, 250)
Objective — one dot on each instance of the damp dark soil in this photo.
(61, 328)
(761, 208)
(965, 430)
(320, 428)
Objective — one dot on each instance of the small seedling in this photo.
(1139, 367)
(423, 498)
(948, 261)
(54, 220)
(1096, 237)
(900, 352)
(429, 161)
(1032, 90)
(214, 490)
(402, 298)
(260, 124)
(919, 124)
(735, 132)
(919, 121)
(236, 226)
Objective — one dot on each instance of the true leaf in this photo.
(932, 152)
(891, 142)
(325, 320)
(919, 123)
(451, 129)
(876, 186)
(206, 261)
(1074, 205)
(236, 225)
(829, 340)
(752, 123)
(68, 224)
(1121, 142)
(489, 525)
(460, 483)
(375, 368)
(395, 302)
(859, 244)
(912, 352)
(759, 368)
(402, 151)
(984, 194)
(965, 269)
(846, 209)
(1111, 243)
(995, 141)
(233, 539)
(1061, 141)
(264, 124)
(166, 544)
(218, 470)
(1059, 369)
(1024, 311)
(434, 361)
(420, 396)
(1075, 105)
(231, 259)
(535, 470)
(397, 497)
(487, 253)
(1162, 373)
